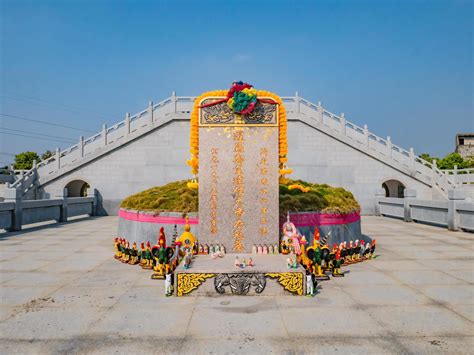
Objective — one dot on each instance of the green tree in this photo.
(24, 161)
(450, 160)
(46, 155)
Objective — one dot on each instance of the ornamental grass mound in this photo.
(295, 196)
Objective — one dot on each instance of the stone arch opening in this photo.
(393, 188)
(77, 188)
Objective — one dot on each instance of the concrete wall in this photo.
(160, 157)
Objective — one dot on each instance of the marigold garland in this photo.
(299, 187)
(282, 129)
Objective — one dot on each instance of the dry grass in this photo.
(177, 197)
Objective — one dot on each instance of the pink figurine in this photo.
(265, 249)
(259, 249)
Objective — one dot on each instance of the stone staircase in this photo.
(298, 109)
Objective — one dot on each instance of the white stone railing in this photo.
(454, 213)
(461, 176)
(358, 136)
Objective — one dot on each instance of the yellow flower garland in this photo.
(282, 130)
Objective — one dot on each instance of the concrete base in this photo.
(269, 276)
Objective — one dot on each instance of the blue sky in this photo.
(402, 67)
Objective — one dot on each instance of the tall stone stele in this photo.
(238, 175)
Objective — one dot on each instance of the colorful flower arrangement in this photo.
(299, 187)
(241, 99)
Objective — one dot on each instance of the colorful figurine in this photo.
(126, 253)
(142, 254)
(187, 260)
(291, 262)
(187, 239)
(250, 262)
(291, 238)
(223, 249)
(265, 249)
(315, 254)
(259, 249)
(134, 255)
(372, 249)
(336, 264)
(118, 251)
(206, 249)
(162, 256)
(254, 249)
(237, 262)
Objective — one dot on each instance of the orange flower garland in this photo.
(282, 130)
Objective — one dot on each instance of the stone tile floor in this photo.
(62, 292)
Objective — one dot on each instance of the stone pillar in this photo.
(412, 162)
(455, 175)
(174, 101)
(58, 159)
(379, 193)
(433, 172)
(343, 124)
(454, 196)
(62, 208)
(366, 134)
(81, 146)
(14, 195)
(127, 124)
(104, 134)
(92, 192)
(150, 112)
(408, 194)
(320, 116)
(297, 103)
(389, 147)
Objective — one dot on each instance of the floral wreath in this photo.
(241, 99)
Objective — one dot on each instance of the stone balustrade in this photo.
(455, 213)
(177, 107)
(16, 212)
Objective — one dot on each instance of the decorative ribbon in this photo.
(311, 219)
(305, 219)
(141, 217)
(263, 101)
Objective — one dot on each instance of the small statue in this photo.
(237, 262)
(187, 260)
(133, 255)
(162, 255)
(309, 284)
(222, 249)
(200, 249)
(254, 249)
(250, 262)
(275, 249)
(148, 258)
(187, 238)
(265, 249)
(206, 249)
(259, 249)
(142, 254)
(118, 252)
(291, 262)
(168, 285)
(126, 254)
(336, 264)
(244, 263)
(372, 249)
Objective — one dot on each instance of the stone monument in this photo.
(239, 172)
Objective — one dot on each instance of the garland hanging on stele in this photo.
(241, 99)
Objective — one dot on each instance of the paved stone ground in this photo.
(62, 292)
